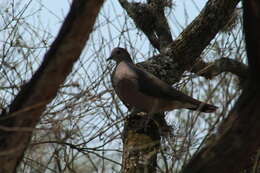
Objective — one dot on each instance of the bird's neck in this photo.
(125, 62)
(128, 59)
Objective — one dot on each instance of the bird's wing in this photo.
(153, 86)
(140, 81)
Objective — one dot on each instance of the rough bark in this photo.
(141, 143)
(17, 125)
(150, 19)
(176, 57)
(238, 138)
(210, 70)
(197, 36)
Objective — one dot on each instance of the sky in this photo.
(53, 12)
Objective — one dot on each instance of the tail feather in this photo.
(204, 107)
(181, 100)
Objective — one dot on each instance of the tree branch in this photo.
(29, 104)
(210, 70)
(150, 19)
(186, 49)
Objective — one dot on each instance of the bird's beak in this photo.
(109, 58)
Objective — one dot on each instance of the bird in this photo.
(142, 91)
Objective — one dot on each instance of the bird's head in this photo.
(119, 54)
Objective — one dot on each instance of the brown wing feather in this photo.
(153, 86)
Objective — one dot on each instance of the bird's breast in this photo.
(123, 71)
(125, 83)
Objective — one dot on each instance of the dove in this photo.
(141, 90)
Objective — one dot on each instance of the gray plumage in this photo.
(143, 91)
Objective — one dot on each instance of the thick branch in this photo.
(27, 107)
(194, 39)
(210, 70)
(184, 52)
(150, 19)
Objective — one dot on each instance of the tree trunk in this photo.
(141, 142)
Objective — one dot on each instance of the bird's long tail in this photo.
(203, 107)
(181, 100)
